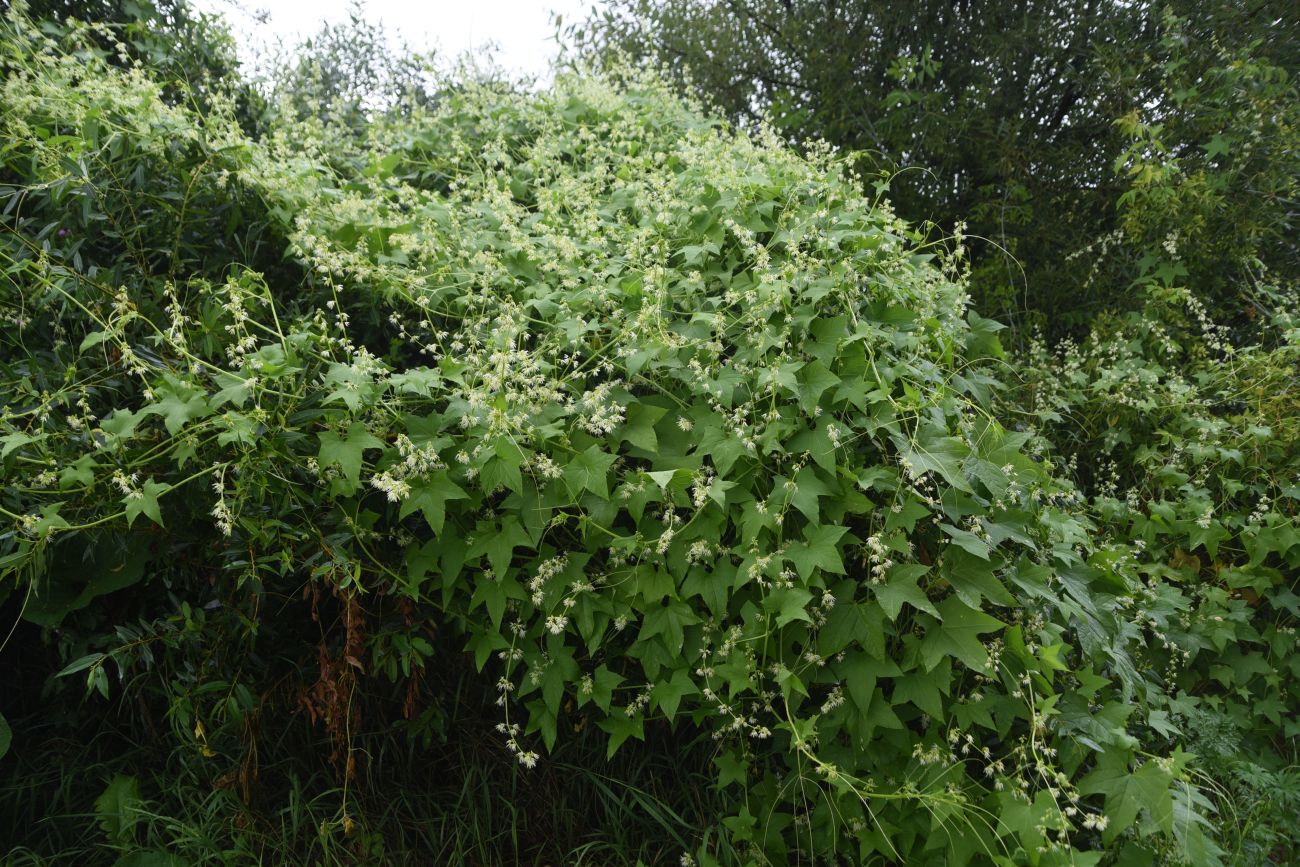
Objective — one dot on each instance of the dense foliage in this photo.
(1009, 117)
(578, 439)
(1184, 434)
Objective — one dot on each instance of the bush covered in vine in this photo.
(1183, 433)
(654, 428)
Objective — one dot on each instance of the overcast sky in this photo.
(521, 29)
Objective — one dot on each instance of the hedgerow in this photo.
(1183, 432)
(668, 427)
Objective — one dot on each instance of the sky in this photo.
(521, 29)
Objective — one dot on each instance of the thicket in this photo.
(497, 477)
(1011, 118)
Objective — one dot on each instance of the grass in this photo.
(462, 798)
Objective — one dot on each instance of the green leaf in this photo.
(352, 385)
(958, 635)
(816, 442)
(50, 521)
(415, 380)
(664, 478)
(77, 574)
(937, 454)
(1208, 536)
(604, 683)
(732, 768)
(668, 694)
(974, 579)
(668, 621)
(121, 424)
(808, 489)
(492, 592)
(500, 546)
(784, 376)
(117, 809)
(560, 671)
(860, 671)
(431, 497)
(1218, 145)
(925, 689)
(503, 467)
(819, 551)
(93, 339)
(16, 440)
(80, 664)
(6, 736)
(909, 511)
(238, 428)
(619, 726)
(179, 403)
(346, 450)
(843, 626)
(235, 389)
(639, 429)
(789, 603)
(718, 442)
(497, 473)
(816, 379)
(652, 584)
(967, 540)
(79, 472)
(145, 502)
(589, 471)
(900, 586)
(1029, 819)
(1128, 793)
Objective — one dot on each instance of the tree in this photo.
(349, 70)
(1213, 166)
(1000, 115)
(180, 44)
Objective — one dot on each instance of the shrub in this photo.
(1183, 432)
(669, 427)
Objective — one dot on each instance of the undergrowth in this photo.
(571, 477)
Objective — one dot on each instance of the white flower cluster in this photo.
(527, 758)
(878, 556)
(417, 462)
(127, 484)
(220, 511)
(598, 413)
(545, 572)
